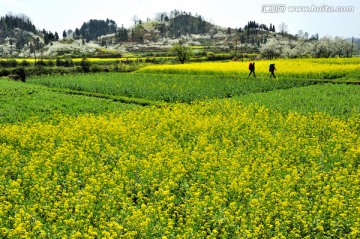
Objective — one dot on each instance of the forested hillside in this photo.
(19, 37)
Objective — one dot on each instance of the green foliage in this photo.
(122, 34)
(85, 65)
(9, 23)
(165, 87)
(94, 28)
(67, 62)
(182, 52)
(21, 73)
(21, 101)
(24, 63)
(184, 23)
(8, 63)
(338, 100)
(214, 168)
(41, 63)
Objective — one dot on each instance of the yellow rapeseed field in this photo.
(304, 67)
(214, 169)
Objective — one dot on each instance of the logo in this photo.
(273, 8)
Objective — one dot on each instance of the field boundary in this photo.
(122, 99)
(337, 82)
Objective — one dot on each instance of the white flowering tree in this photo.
(287, 49)
(302, 48)
(271, 49)
(342, 47)
(324, 47)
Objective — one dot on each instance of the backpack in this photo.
(271, 67)
(251, 66)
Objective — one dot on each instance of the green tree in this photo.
(11, 42)
(77, 33)
(85, 65)
(182, 52)
(123, 34)
(35, 46)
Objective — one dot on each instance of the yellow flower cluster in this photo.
(214, 169)
(285, 66)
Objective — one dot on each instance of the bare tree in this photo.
(135, 19)
(283, 28)
(160, 16)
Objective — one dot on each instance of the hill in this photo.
(18, 35)
(105, 38)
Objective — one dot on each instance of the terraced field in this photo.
(190, 151)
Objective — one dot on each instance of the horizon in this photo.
(65, 15)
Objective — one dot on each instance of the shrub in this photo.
(21, 73)
(9, 63)
(41, 63)
(50, 63)
(85, 65)
(24, 63)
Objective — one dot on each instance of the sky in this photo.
(60, 15)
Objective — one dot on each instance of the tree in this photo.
(11, 42)
(306, 35)
(283, 28)
(123, 34)
(342, 47)
(135, 19)
(300, 34)
(326, 47)
(138, 33)
(314, 37)
(93, 29)
(229, 31)
(35, 46)
(70, 33)
(271, 49)
(64, 34)
(85, 65)
(161, 16)
(77, 33)
(272, 28)
(56, 36)
(182, 52)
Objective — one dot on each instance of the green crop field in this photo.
(20, 101)
(338, 100)
(166, 87)
(183, 151)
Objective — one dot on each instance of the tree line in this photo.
(180, 23)
(9, 22)
(17, 32)
(91, 30)
(18, 28)
(318, 48)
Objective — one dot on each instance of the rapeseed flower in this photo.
(209, 169)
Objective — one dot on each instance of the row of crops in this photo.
(214, 154)
(167, 87)
(348, 69)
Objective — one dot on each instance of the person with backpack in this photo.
(252, 68)
(272, 69)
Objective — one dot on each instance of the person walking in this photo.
(252, 68)
(272, 69)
